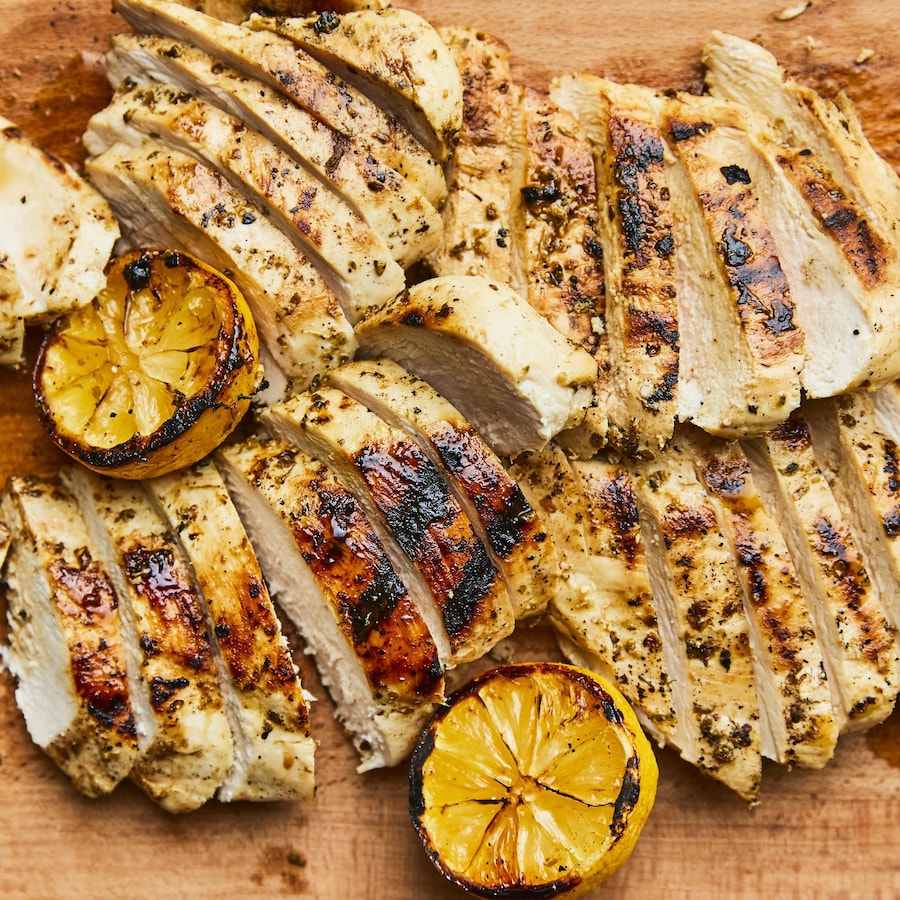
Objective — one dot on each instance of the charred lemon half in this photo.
(535, 779)
(155, 372)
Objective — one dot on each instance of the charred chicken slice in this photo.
(162, 195)
(349, 254)
(331, 576)
(427, 535)
(797, 722)
(189, 750)
(273, 749)
(858, 643)
(704, 632)
(394, 57)
(67, 650)
(506, 523)
(637, 412)
(509, 372)
(282, 65)
(408, 223)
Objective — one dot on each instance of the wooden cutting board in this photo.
(834, 832)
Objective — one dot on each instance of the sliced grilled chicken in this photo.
(506, 523)
(189, 750)
(742, 351)
(280, 64)
(349, 254)
(477, 213)
(840, 226)
(863, 468)
(858, 644)
(427, 535)
(557, 255)
(238, 11)
(394, 57)
(274, 751)
(403, 217)
(66, 645)
(704, 632)
(638, 411)
(330, 574)
(162, 195)
(797, 722)
(499, 362)
(56, 236)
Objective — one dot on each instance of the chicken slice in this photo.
(704, 631)
(477, 213)
(282, 65)
(408, 223)
(56, 236)
(394, 57)
(162, 195)
(274, 751)
(797, 722)
(637, 411)
(427, 535)
(887, 410)
(863, 468)
(506, 523)
(331, 576)
(858, 644)
(841, 231)
(499, 362)
(742, 350)
(189, 750)
(238, 11)
(67, 651)
(557, 255)
(350, 255)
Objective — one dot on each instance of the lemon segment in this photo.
(534, 779)
(155, 373)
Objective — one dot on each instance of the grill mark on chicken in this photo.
(841, 218)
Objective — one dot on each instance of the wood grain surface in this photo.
(829, 833)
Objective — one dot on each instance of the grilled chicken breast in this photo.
(840, 225)
(704, 632)
(189, 751)
(273, 748)
(510, 373)
(797, 722)
(394, 57)
(162, 195)
(331, 575)
(349, 254)
(427, 535)
(477, 213)
(56, 236)
(858, 645)
(284, 66)
(67, 650)
(557, 254)
(506, 523)
(407, 222)
(637, 411)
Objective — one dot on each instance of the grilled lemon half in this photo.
(155, 372)
(535, 779)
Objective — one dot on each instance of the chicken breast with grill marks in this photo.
(349, 254)
(161, 195)
(332, 577)
(189, 749)
(273, 748)
(284, 66)
(67, 649)
(507, 524)
(859, 647)
(427, 535)
(407, 222)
